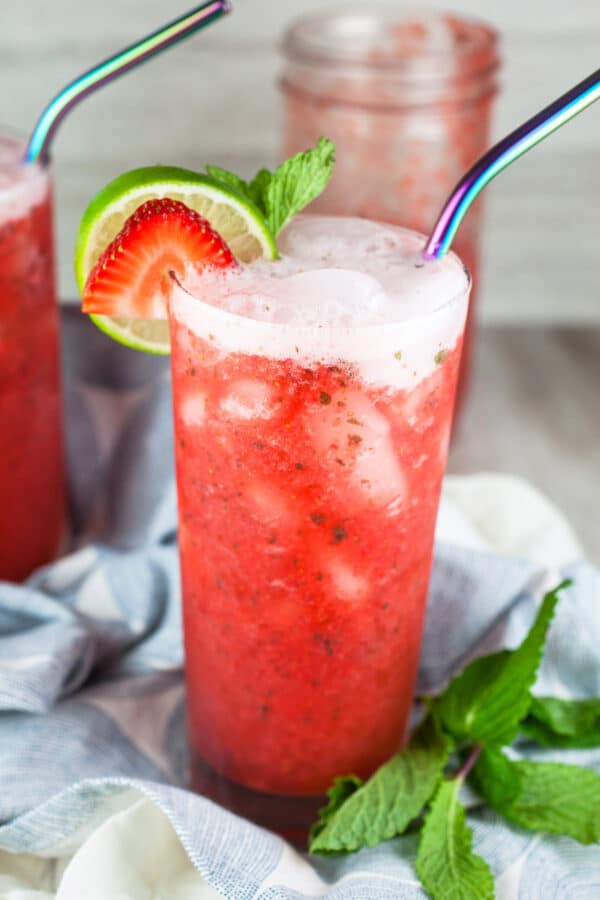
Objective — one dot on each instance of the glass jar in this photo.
(408, 102)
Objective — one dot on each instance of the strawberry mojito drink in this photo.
(32, 497)
(313, 388)
(313, 401)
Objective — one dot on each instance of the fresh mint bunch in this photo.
(282, 194)
(463, 739)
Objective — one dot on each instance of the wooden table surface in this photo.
(534, 411)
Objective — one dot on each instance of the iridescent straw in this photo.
(37, 148)
(502, 154)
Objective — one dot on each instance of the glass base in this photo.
(290, 817)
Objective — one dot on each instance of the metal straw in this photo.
(502, 154)
(109, 69)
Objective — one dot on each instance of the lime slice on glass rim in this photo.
(236, 219)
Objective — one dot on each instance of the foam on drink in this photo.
(391, 314)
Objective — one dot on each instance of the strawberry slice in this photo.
(131, 278)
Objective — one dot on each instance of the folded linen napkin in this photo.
(92, 746)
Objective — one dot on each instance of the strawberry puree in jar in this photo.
(407, 101)
(313, 400)
(32, 493)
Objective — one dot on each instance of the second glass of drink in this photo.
(32, 484)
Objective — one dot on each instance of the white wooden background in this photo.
(214, 98)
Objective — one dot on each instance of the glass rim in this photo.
(300, 41)
(416, 324)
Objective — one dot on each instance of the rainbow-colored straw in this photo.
(37, 148)
(502, 154)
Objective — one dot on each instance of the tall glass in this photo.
(312, 416)
(32, 491)
(408, 102)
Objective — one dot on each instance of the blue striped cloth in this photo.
(91, 690)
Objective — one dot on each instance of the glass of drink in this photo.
(313, 401)
(32, 492)
(408, 102)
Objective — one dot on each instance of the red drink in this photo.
(32, 497)
(408, 103)
(313, 399)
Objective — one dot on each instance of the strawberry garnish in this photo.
(132, 278)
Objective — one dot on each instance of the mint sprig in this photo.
(282, 194)
(461, 740)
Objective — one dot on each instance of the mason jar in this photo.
(408, 103)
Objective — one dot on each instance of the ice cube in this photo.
(248, 398)
(347, 584)
(193, 408)
(344, 414)
(356, 435)
(268, 503)
(378, 474)
(418, 407)
(344, 297)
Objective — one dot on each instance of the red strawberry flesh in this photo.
(131, 277)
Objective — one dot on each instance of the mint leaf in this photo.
(458, 706)
(384, 806)
(446, 864)
(230, 180)
(554, 797)
(296, 182)
(338, 793)
(563, 723)
(258, 186)
(253, 190)
(559, 798)
(489, 699)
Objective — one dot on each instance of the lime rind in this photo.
(131, 333)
